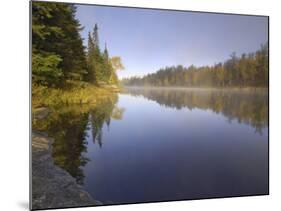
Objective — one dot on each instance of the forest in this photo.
(248, 70)
(59, 59)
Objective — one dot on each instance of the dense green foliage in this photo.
(100, 67)
(248, 70)
(58, 54)
(57, 48)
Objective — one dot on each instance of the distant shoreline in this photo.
(197, 88)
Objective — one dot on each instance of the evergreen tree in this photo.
(108, 71)
(57, 48)
(101, 69)
(90, 63)
(247, 70)
(97, 58)
(96, 36)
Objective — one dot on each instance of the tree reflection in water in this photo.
(71, 125)
(249, 106)
(68, 125)
(102, 114)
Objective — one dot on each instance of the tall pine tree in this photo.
(57, 48)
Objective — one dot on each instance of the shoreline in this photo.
(196, 88)
(89, 94)
(200, 89)
(52, 186)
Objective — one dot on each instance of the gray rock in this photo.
(40, 113)
(53, 187)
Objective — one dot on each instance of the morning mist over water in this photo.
(193, 141)
(135, 105)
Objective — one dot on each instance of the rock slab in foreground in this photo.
(52, 187)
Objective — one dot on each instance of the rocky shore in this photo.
(53, 187)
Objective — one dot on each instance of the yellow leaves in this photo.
(116, 63)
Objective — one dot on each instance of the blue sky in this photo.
(147, 40)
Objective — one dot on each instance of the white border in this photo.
(14, 87)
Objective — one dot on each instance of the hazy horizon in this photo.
(148, 40)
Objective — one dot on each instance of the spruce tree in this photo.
(57, 47)
(90, 62)
(97, 58)
(107, 65)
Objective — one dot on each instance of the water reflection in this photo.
(68, 129)
(174, 153)
(246, 106)
(100, 115)
(70, 125)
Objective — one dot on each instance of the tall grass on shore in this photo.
(84, 93)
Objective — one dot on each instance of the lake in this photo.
(166, 144)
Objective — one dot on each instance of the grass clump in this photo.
(82, 93)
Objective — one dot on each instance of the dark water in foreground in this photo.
(160, 144)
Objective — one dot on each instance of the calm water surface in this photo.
(166, 144)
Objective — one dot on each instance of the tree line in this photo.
(58, 54)
(247, 70)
